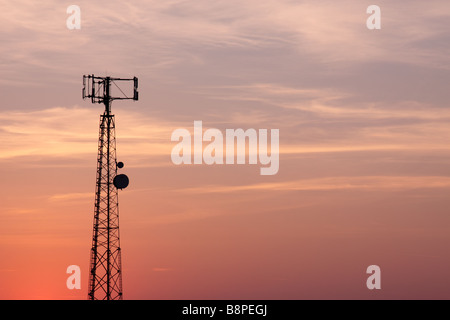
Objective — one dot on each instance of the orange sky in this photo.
(364, 147)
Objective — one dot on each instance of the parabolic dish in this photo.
(121, 181)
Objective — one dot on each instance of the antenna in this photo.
(105, 277)
(99, 89)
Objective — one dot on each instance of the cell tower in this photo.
(105, 278)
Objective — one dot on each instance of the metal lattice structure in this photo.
(105, 277)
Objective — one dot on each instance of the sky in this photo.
(363, 154)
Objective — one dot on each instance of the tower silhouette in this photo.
(105, 276)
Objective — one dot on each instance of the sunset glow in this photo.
(364, 148)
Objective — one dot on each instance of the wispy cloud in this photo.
(159, 35)
(53, 132)
(333, 183)
(71, 196)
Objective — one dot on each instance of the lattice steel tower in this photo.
(105, 277)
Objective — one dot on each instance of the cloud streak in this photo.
(362, 183)
(53, 133)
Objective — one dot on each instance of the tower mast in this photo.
(105, 276)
